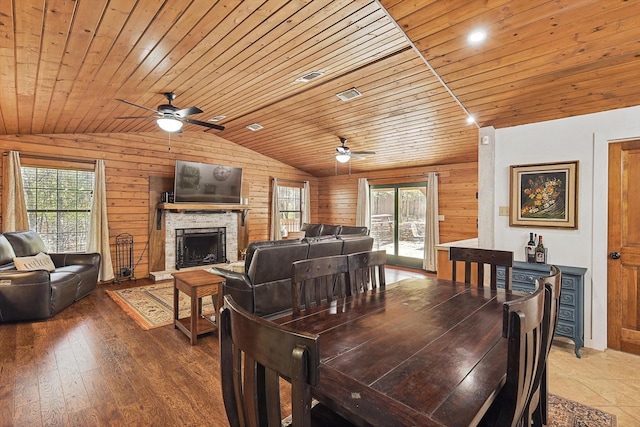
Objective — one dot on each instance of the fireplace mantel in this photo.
(200, 207)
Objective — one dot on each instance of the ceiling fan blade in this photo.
(201, 123)
(356, 156)
(363, 152)
(188, 111)
(139, 106)
(137, 117)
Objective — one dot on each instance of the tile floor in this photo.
(608, 380)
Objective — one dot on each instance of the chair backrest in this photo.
(480, 257)
(522, 326)
(254, 353)
(553, 287)
(362, 270)
(316, 280)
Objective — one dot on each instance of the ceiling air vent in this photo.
(254, 127)
(216, 118)
(349, 94)
(308, 77)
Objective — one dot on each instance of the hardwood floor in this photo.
(91, 366)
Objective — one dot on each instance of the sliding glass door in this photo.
(398, 221)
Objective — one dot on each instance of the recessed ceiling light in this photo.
(216, 118)
(308, 77)
(254, 127)
(349, 94)
(477, 36)
(471, 120)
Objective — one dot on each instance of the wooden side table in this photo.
(196, 284)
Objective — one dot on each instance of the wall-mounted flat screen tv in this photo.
(207, 183)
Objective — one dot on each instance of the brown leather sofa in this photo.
(315, 230)
(39, 294)
(264, 288)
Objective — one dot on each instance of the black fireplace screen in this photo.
(198, 246)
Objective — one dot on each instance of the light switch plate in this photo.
(503, 211)
(440, 217)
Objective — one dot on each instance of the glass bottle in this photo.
(531, 249)
(540, 255)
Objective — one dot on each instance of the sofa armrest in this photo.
(25, 295)
(75, 258)
(238, 286)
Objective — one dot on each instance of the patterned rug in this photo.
(152, 306)
(567, 413)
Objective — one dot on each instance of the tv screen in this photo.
(207, 183)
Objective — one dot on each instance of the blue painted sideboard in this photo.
(571, 312)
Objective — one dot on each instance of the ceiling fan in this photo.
(344, 153)
(169, 117)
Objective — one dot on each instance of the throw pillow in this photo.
(41, 261)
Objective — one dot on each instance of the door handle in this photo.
(614, 255)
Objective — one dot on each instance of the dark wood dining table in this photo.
(420, 352)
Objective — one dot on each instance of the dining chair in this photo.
(522, 325)
(540, 401)
(254, 354)
(366, 270)
(316, 280)
(480, 257)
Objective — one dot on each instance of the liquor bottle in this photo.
(531, 249)
(540, 255)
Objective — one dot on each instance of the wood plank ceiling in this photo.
(63, 63)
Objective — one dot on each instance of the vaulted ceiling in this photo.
(63, 64)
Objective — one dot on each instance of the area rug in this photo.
(152, 306)
(567, 413)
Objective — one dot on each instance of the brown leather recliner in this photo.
(39, 294)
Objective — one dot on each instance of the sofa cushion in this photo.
(25, 243)
(311, 230)
(354, 229)
(261, 244)
(330, 229)
(41, 261)
(6, 251)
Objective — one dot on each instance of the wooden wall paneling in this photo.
(134, 161)
(457, 187)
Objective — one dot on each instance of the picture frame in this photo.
(544, 195)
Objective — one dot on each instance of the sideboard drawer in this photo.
(567, 313)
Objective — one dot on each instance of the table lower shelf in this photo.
(203, 326)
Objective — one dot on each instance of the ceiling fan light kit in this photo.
(169, 124)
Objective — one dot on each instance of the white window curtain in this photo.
(275, 233)
(362, 204)
(306, 205)
(432, 226)
(14, 207)
(98, 238)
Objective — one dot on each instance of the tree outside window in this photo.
(59, 206)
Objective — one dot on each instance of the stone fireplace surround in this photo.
(195, 219)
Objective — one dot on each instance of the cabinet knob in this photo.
(614, 255)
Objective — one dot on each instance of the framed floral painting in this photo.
(544, 195)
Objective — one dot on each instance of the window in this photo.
(59, 205)
(290, 207)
